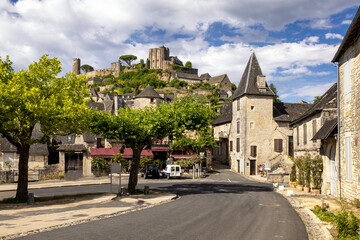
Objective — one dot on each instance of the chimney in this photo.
(261, 82)
(116, 104)
(76, 66)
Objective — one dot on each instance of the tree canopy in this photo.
(316, 99)
(188, 64)
(275, 91)
(86, 68)
(37, 96)
(128, 59)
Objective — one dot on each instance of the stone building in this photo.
(221, 130)
(147, 97)
(189, 78)
(260, 134)
(114, 69)
(222, 82)
(348, 59)
(160, 58)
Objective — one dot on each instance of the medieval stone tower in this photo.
(158, 57)
(76, 65)
(252, 121)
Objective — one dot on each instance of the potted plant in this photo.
(307, 172)
(298, 161)
(293, 176)
(316, 171)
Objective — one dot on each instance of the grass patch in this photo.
(323, 214)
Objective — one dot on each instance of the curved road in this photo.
(224, 206)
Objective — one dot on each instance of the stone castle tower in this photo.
(76, 65)
(158, 56)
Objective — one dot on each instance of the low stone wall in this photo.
(49, 172)
(278, 178)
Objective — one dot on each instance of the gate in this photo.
(73, 165)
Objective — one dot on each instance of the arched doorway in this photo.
(332, 172)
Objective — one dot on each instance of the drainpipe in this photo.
(338, 125)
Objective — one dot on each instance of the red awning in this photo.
(160, 149)
(109, 152)
(178, 156)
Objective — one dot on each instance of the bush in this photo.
(100, 163)
(324, 214)
(347, 224)
(316, 171)
(293, 173)
(185, 163)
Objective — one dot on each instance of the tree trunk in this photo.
(134, 170)
(208, 158)
(22, 189)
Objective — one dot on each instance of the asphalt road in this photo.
(225, 206)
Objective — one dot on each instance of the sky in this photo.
(294, 41)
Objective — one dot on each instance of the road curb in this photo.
(100, 217)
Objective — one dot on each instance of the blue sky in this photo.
(293, 40)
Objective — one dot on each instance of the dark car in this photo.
(150, 171)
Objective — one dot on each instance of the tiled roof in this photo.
(351, 36)
(217, 79)
(205, 76)
(96, 105)
(327, 100)
(72, 147)
(288, 112)
(39, 149)
(326, 129)
(6, 146)
(148, 92)
(248, 82)
(188, 76)
(225, 116)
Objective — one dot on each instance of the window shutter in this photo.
(314, 128)
(238, 145)
(347, 77)
(238, 104)
(231, 146)
(305, 134)
(348, 161)
(253, 151)
(297, 135)
(278, 145)
(238, 127)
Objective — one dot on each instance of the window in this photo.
(297, 135)
(278, 145)
(238, 104)
(347, 76)
(253, 151)
(231, 146)
(291, 146)
(252, 125)
(152, 100)
(238, 127)
(304, 134)
(238, 145)
(348, 162)
(252, 107)
(100, 143)
(314, 128)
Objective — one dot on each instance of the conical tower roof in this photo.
(248, 83)
(148, 92)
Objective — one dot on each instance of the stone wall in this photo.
(278, 178)
(49, 172)
(350, 123)
(7, 176)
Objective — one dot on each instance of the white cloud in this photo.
(346, 22)
(321, 24)
(333, 36)
(308, 92)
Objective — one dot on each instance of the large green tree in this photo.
(275, 91)
(128, 59)
(38, 96)
(86, 68)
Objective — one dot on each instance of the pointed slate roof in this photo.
(248, 82)
(205, 76)
(148, 92)
(287, 112)
(225, 116)
(325, 131)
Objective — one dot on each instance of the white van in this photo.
(172, 171)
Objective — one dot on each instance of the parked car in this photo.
(172, 171)
(150, 171)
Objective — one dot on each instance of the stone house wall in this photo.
(221, 135)
(350, 123)
(146, 102)
(225, 85)
(329, 144)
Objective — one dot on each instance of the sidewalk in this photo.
(18, 220)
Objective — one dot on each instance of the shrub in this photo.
(323, 214)
(100, 163)
(316, 171)
(185, 163)
(347, 224)
(307, 169)
(293, 173)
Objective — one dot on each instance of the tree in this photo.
(147, 63)
(37, 96)
(188, 64)
(86, 68)
(316, 99)
(127, 59)
(138, 128)
(233, 87)
(274, 90)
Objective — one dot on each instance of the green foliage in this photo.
(188, 64)
(177, 83)
(127, 59)
(145, 161)
(233, 86)
(185, 163)
(8, 165)
(316, 171)
(293, 173)
(100, 163)
(275, 91)
(347, 224)
(147, 63)
(38, 96)
(86, 68)
(316, 99)
(307, 169)
(117, 158)
(324, 214)
(299, 162)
